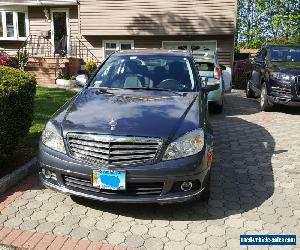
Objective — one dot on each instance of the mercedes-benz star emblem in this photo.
(113, 124)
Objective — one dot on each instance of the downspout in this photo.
(79, 19)
(235, 34)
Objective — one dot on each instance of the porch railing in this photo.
(79, 50)
(40, 46)
(37, 46)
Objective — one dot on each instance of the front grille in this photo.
(132, 188)
(107, 149)
(297, 84)
(282, 90)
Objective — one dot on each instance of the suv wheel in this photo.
(265, 104)
(249, 91)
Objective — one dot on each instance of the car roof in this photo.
(283, 45)
(179, 53)
(203, 52)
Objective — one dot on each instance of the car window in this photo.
(205, 69)
(146, 71)
(285, 54)
(205, 62)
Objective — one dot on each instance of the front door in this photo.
(60, 31)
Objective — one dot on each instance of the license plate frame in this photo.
(109, 179)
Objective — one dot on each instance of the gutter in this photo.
(39, 2)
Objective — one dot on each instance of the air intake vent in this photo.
(132, 189)
(297, 84)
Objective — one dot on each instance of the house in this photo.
(92, 29)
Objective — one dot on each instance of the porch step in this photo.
(48, 59)
(46, 69)
(45, 80)
(43, 68)
(46, 65)
(40, 78)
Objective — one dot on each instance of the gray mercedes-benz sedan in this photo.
(137, 132)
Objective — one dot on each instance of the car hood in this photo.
(287, 67)
(136, 113)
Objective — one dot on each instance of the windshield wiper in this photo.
(156, 89)
(104, 90)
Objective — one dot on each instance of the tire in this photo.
(216, 108)
(265, 104)
(249, 91)
(206, 193)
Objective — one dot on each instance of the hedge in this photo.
(17, 91)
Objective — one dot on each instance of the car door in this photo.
(258, 70)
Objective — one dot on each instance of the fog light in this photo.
(186, 186)
(47, 174)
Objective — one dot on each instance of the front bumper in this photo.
(126, 199)
(170, 174)
(283, 93)
(283, 99)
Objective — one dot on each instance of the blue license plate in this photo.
(109, 179)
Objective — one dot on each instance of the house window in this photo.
(22, 24)
(116, 45)
(10, 29)
(14, 23)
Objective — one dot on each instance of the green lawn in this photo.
(47, 102)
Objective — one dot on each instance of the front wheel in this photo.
(216, 108)
(265, 104)
(249, 91)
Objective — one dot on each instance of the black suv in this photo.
(276, 76)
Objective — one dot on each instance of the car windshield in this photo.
(205, 63)
(159, 72)
(285, 54)
(205, 68)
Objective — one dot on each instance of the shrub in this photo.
(242, 70)
(6, 60)
(90, 67)
(17, 91)
(66, 76)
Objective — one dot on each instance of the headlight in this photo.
(280, 76)
(52, 139)
(189, 144)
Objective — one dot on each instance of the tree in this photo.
(261, 21)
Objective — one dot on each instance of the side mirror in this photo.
(204, 81)
(211, 87)
(81, 80)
